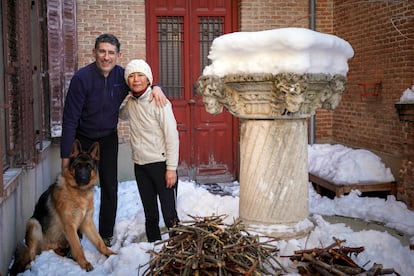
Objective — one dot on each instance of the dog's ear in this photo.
(94, 151)
(76, 148)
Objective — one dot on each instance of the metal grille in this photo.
(25, 136)
(170, 41)
(17, 101)
(10, 98)
(210, 28)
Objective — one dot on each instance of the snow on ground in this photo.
(194, 199)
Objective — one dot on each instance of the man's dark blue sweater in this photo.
(92, 105)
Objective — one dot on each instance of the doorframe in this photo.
(150, 57)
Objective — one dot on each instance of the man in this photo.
(90, 114)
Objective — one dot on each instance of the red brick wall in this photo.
(257, 15)
(125, 19)
(383, 53)
(382, 35)
(406, 184)
(324, 24)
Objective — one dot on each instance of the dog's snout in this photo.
(82, 176)
(82, 180)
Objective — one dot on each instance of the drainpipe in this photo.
(312, 18)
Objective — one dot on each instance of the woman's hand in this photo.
(170, 178)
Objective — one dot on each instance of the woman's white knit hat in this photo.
(138, 65)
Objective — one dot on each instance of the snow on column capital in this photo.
(284, 50)
(280, 73)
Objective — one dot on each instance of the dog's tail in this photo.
(26, 252)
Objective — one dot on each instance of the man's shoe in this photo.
(108, 241)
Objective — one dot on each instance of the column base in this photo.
(282, 231)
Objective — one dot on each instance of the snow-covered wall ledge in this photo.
(405, 107)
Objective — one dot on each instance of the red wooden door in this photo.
(179, 36)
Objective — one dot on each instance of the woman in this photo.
(155, 147)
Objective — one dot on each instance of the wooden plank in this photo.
(341, 189)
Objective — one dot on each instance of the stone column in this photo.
(273, 170)
(273, 112)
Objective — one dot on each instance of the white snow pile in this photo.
(342, 165)
(408, 95)
(296, 50)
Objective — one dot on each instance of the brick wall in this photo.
(324, 24)
(257, 15)
(381, 33)
(125, 19)
(406, 183)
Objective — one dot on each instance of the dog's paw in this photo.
(110, 252)
(88, 267)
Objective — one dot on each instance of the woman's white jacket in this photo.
(153, 130)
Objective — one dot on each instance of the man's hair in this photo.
(108, 38)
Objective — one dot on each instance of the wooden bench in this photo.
(341, 189)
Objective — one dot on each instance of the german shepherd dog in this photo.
(63, 211)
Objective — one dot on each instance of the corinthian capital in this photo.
(267, 96)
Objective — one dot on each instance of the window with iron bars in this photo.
(170, 41)
(23, 108)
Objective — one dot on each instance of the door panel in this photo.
(179, 36)
(213, 148)
(181, 110)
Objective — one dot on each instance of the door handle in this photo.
(191, 101)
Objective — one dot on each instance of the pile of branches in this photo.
(334, 260)
(206, 246)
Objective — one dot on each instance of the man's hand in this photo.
(65, 163)
(158, 95)
(170, 178)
